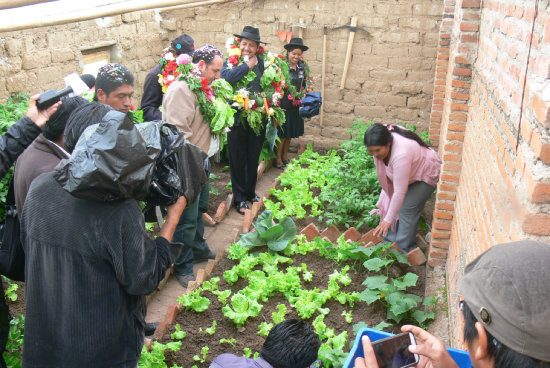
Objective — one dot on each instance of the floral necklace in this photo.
(168, 69)
(211, 98)
(257, 106)
(296, 95)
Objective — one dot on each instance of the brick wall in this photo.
(390, 76)
(495, 184)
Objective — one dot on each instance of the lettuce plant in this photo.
(275, 236)
(241, 308)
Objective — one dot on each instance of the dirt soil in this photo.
(223, 177)
(247, 337)
(18, 306)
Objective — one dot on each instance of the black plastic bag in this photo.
(111, 161)
(179, 170)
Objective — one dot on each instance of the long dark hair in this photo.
(380, 135)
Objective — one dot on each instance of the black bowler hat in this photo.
(250, 33)
(183, 44)
(296, 43)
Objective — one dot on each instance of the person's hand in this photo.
(173, 214)
(40, 117)
(382, 229)
(432, 351)
(252, 61)
(369, 361)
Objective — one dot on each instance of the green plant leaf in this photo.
(370, 295)
(251, 240)
(376, 264)
(405, 281)
(264, 221)
(430, 301)
(358, 326)
(376, 282)
(421, 316)
(273, 232)
(382, 325)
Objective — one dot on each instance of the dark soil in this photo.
(18, 306)
(247, 337)
(223, 177)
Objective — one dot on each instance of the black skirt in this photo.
(294, 125)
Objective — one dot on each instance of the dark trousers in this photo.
(244, 148)
(190, 232)
(4, 324)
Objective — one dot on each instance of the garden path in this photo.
(219, 238)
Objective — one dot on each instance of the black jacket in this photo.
(152, 96)
(89, 265)
(14, 142)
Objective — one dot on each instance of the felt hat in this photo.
(250, 33)
(183, 44)
(296, 43)
(507, 290)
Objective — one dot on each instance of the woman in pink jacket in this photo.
(408, 171)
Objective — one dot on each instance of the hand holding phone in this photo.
(391, 352)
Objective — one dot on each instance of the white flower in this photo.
(228, 43)
(243, 92)
(170, 77)
(246, 59)
(169, 56)
(276, 97)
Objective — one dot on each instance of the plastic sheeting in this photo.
(116, 159)
(311, 104)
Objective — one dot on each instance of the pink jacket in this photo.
(409, 162)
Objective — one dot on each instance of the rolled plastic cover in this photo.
(111, 161)
(311, 105)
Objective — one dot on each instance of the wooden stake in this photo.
(323, 74)
(348, 52)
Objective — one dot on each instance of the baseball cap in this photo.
(508, 291)
(183, 44)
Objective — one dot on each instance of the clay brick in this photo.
(171, 314)
(160, 331)
(208, 221)
(221, 212)
(441, 235)
(445, 206)
(536, 224)
(210, 266)
(201, 276)
(332, 233)
(434, 262)
(255, 209)
(369, 237)
(234, 238)
(310, 231)
(416, 257)
(443, 215)
(261, 168)
(437, 253)
(247, 222)
(470, 4)
(192, 286)
(440, 225)
(352, 234)
(462, 71)
(440, 244)
(541, 109)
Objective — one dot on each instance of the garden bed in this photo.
(218, 185)
(248, 341)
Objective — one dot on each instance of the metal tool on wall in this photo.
(353, 28)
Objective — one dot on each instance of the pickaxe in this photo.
(353, 28)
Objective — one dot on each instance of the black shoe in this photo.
(150, 328)
(254, 199)
(241, 207)
(205, 257)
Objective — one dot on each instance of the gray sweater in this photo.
(89, 265)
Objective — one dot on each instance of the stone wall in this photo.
(390, 76)
(492, 127)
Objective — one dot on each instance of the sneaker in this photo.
(184, 279)
(204, 258)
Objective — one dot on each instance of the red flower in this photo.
(234, 46)
(261, 50)
(281, 57)
(204, 83)
(132, 107)
(278, 89)
(233, 60)
(171, 66)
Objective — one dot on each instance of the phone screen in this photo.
(393, 352)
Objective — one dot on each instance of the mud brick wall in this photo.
(492, 82)
(390, 76)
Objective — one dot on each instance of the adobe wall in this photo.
(390, 76)
(493, 83)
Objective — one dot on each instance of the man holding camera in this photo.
(505, 310)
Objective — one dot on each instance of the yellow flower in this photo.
(239, 99)
(236, 51)
(382, 295)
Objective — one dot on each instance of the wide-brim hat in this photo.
(296, 43)
(250, 33)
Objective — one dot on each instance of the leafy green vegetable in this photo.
(202, 357)
(276, 237)
(155, 358)
(247, 353)
(279, 316)
(193, 301)
(241, 309)
(264, 328)
(178, 334)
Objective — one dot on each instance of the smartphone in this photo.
(393, 352)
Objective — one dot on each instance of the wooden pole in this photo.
(348, 53)
(9, 4)
(107, 10)
(323, 74)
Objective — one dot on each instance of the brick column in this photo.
(462, 51)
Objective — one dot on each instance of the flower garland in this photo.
(293, 94)
(211, 98)
(257, 106)
(168, 69)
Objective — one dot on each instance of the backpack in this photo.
(12, 256)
